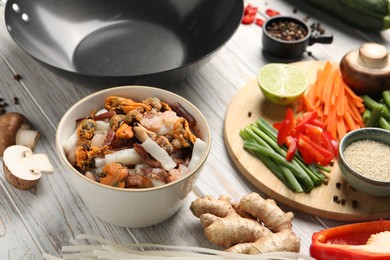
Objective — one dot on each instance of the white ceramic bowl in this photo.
(130, 207)
(354, 178)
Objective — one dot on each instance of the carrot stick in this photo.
(340, 107)
(307, 104)
(310, 94)
(322, 78)
(328, 89)
(341, 129)
(337, 106)
(351, 124)
(332, 122)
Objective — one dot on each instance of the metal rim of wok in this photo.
(101, 42)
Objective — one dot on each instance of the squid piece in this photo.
(124, 104)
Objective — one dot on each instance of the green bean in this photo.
(386, 97)
(306, 183)
(282, 173)
(366, 115)
(260, 138)
(383, 123)
(375, 114)
(371, 104)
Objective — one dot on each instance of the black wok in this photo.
(104, 43)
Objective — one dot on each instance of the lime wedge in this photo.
(282, 84)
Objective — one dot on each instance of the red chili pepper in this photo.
(259, 22)
(348, 242)
(271, 12)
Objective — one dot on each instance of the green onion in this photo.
(260, 139)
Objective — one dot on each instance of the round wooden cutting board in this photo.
(247, 107)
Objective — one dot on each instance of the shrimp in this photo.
(138, 181)
(176, 174)
(124, 104)
(115, 175)
(152, 121)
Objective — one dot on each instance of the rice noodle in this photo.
(106, 249)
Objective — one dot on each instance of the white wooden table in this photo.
(44, 219)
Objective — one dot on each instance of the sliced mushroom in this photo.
(16, 129)
(22, 168)
(367, 69)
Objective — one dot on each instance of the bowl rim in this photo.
(287, 17)
(344, 144)
(66, 163)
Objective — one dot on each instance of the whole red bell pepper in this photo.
(348, 242)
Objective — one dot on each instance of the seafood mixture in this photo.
(131, 144)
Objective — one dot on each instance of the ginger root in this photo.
(252, 226)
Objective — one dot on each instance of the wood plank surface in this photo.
(43, 220)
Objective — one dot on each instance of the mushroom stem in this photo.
(373, 55)
(27, 137)
(13, 130)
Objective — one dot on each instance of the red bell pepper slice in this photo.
(291, 144)
(277, 125)
(259, 22)
(306, 118)
(249, 14)
(286, 127)
(345, 242)
(321, 155)
(271, 12)
(250, 10)
(248, 19)
(306, 155)
(328, 142)
(314, 132)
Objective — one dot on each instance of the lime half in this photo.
(282, 84)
